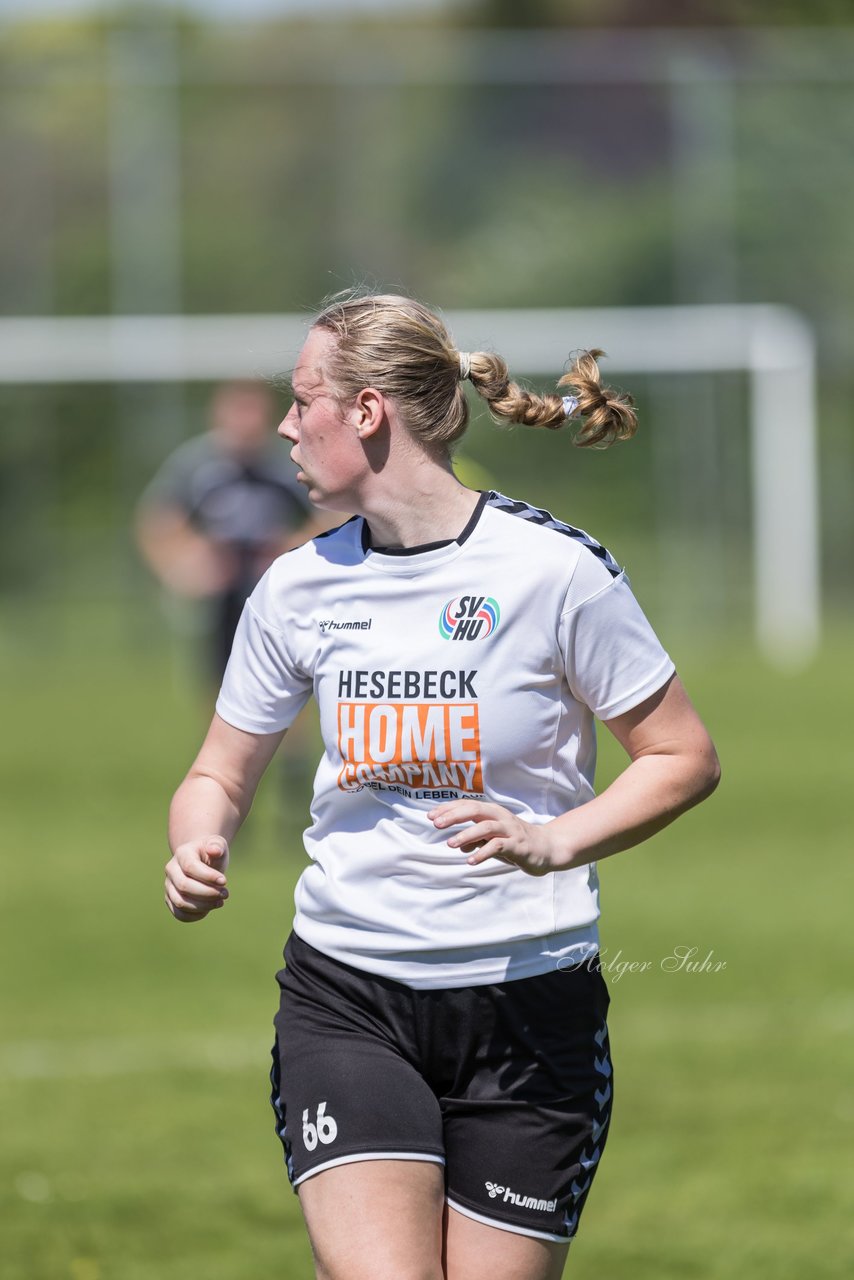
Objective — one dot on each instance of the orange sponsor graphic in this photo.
(410, 745)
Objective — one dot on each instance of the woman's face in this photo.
(326, 444)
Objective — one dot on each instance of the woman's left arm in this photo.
(673, 766)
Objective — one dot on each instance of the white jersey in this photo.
(472, 668)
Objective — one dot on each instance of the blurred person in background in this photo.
(220, 510)
(441, 1074)
(216, 515)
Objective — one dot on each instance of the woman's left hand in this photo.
(497, 833)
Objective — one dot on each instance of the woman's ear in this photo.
(369, 410)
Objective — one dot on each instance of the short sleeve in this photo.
(612, 657)
(263, 689)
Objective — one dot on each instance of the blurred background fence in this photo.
(167, 164)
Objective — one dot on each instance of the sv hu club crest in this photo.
(469, 618)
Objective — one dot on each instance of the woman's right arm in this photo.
(206, 812)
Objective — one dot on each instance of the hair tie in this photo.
(570, 404)
(465, 365)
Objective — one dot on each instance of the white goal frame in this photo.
(774, 345)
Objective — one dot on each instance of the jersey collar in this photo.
(410, 560)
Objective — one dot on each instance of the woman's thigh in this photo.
(387, 1220)
(376, 1220)
(474, 1251)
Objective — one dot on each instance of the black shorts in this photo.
(508, 1085)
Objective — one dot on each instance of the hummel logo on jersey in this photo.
(524, 1202)
(469, 618)
(326, 624)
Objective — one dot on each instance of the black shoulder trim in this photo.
(536, 515)
(480, 507)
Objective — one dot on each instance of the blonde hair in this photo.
(404, 350)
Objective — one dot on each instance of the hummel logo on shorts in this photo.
(524, 1202)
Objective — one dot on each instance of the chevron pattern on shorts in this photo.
(276, 1102)
(591, 1153)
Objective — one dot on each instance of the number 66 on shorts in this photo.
(325, 1129)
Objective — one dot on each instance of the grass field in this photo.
(137, 1137)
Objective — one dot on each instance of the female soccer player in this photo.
(441, 1075)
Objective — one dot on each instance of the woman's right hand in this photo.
(195, 878)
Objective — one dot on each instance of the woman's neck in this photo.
(431, 507)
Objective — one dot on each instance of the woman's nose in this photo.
(287, 425)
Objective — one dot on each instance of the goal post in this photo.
(773, 345)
